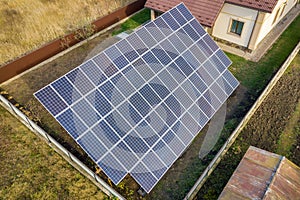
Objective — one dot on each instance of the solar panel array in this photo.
(136, 106)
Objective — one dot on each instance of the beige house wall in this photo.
(257, 24)
(270, 20)
(231, 12)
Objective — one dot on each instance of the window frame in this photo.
(235, 30)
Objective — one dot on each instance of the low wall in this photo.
(75, 162)
(37, 56)
(213, 164)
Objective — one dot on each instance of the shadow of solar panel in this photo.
(135, 107)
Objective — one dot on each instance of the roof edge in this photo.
(262, 10)
(274, 173)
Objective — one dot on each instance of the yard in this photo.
(30, 169)
(275, 127)
(26, 25)
(183, 174)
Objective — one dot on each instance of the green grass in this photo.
(134, 21)
(288, 138)
(254, 75)
(30, 169)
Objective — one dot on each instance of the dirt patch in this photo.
(263, 130)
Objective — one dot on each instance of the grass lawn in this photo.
(30, 169)
(135, 21)
(28, 24)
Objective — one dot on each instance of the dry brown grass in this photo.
(28, 24)
(32, 170)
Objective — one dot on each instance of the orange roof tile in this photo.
(262, 5)
(206, 11)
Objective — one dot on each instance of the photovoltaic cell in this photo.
(135, 107)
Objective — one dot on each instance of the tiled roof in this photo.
(262, 5)
(206, 11)
(263, 175)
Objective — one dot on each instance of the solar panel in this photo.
(136, 106)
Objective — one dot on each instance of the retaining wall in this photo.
(213, 164)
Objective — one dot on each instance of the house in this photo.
(263, 175)
(241, 23)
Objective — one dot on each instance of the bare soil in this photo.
(263, 130)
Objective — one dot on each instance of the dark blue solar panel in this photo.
(205, 107)
(124, 155)
(161, 90)
(51, 100)
(140, 104)
(137, 43)
(146, 37)
(187, 41)
(116, 57)
(231, 79)
(127, 50)
(185, 12)
(198, 54)
(148, 93)
(102, 61)
(136, 106)
(71, 123)
(225, 85)
(161, 55)
(101, 104)
(173, 103)
(168, 80)
(154, 31)
(163, 26)
(113, 169)
(80, 81)
(170, 21)
(204, 48)
(92, 146)
(66, 90)
(224, 59)
(179, 18)
(216, 62)
(212, 99)
(106, 134)
(212, 45)
(191, 32)
(136, 143)
(179, 46)
(169, 49)
(86, 112)
(198, 82)
(195, 24)
(93, 72)
(143, 177)
(184, 66)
